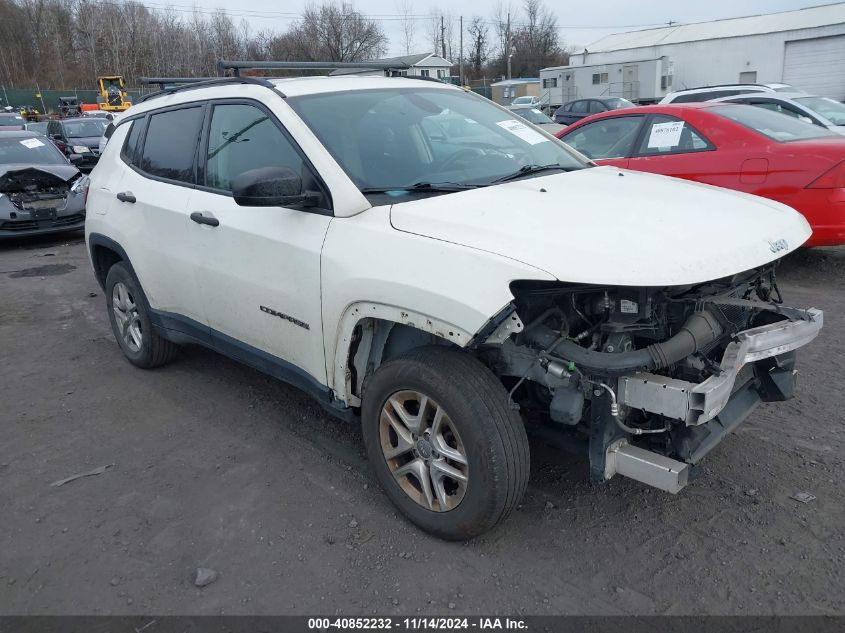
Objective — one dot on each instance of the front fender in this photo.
(340, 376)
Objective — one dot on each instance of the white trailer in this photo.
(642, 81)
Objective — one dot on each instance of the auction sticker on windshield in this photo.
(522, 131)
(32, 143)
(666, 134)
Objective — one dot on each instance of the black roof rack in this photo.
(169, 85)
(170, 82)
(236, 66)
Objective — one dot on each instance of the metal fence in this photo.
(47, 101)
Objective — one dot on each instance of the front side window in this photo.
(170, 145)
(607, 138)
(399, 138)
(774, 106)
(580, 107)
(832, 110)
(243, 137)
(670, 135)
(773, 125)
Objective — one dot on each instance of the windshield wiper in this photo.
(446, 187)
(527, 170)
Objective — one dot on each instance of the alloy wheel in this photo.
(126, 316)
(423, 450)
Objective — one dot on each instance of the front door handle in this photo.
(199, 218)
(126, 196)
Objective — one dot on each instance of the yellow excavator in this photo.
(112, 97)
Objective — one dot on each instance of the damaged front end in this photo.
(35, 200)
(648, 380)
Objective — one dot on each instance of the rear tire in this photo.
(440, 415)
(130, 322)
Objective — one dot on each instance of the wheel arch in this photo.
(105, 253)
(371, 333)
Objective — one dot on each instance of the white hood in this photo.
(609, 226)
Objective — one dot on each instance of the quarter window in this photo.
(241, 138)
(607, 138)
(130, 147)
(170, 145)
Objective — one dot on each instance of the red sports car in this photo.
(736, 146)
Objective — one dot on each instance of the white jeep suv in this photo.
(419, 259)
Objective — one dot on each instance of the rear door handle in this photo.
(126, 196)
(209, 219)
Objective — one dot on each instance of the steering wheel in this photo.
(461, 154)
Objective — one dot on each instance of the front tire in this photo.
(130, 321)
(446, 446)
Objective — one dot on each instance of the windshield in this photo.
(393, 139)
(778, 127)
(533, 115)
(617, 103)
(82, 129)
(29, 151)
(520, 100)
(832, 110)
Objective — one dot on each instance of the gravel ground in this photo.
(218, 466)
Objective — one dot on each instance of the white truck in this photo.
(422, 261)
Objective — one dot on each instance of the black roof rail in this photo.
(170, 85)
(236, 66)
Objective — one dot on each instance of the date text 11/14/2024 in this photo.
(416, 623)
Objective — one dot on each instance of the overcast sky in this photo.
(580, 22)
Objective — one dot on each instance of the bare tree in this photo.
(536, 40)
(336, 32)
(478, 45)
(68, 43)
(408, 23)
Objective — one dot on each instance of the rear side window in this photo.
(670, 135)
(170, 145)
(607, 138)
(596, 106)
(130, 147)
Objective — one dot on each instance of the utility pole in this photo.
(509, 43)
(461, 63)
(443, 37)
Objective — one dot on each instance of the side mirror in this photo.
(75, 158)
(271, 187)
(56, 137)
(806, 119)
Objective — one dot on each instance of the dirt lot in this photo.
(216, 465)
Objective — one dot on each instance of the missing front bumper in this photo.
(698, 403)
